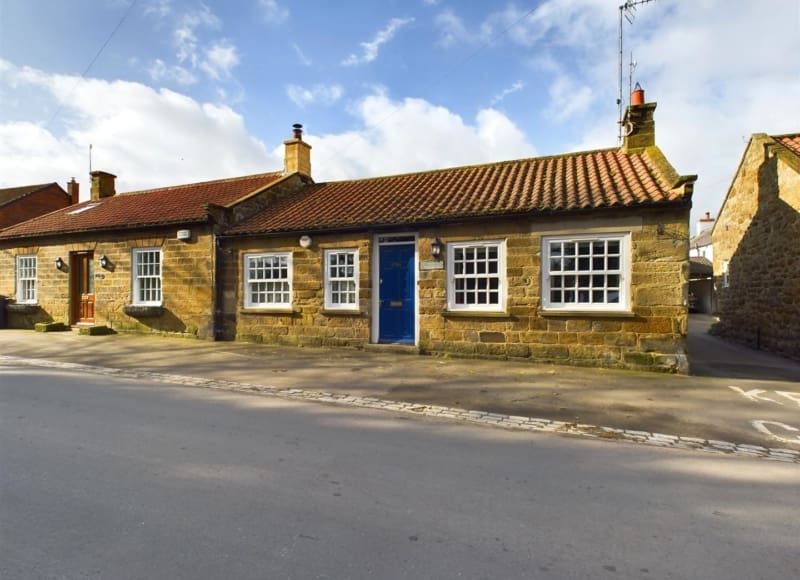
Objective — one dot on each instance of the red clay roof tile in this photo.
(791, 142)
(586, 180)
(152, 207)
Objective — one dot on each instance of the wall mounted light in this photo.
(305, 242)
(436, 248)
(184, 235)
(59, 263)
(104, 262)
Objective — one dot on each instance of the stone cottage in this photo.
(142, 261)
(580, 258)
(756, 242)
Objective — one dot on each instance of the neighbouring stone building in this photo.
(18, 204)
(578, 259)
(142, 261)
(756, 242)
(701, 269)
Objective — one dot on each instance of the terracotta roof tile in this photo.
(791, 142)
(587, 180)
(152, 207)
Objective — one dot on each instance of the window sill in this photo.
(475, 314)
(22, 308)
(285, 311)
(589, 313)
(342, 312)
(140, 311)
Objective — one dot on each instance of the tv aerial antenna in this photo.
(627, 11)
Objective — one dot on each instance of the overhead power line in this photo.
(94, 60)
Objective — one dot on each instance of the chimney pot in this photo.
(637, 96)
(297, 130)
(638, 124)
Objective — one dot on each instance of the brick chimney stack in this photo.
(73, 189)
(638, 125)
(298, 153)
(102, 185)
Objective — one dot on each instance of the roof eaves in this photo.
(101, 229)
(788, 154)
(443, 220)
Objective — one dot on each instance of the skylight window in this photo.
(83, 209)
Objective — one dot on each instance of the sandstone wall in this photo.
(757, 234)
(652, 335)
(187, 282)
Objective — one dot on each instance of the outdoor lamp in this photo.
(305, 242)
(59, 263)
(436, 248)
(103, 262)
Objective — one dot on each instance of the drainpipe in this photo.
(218, 321)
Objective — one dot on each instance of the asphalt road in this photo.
(740, 388)
(102, 477)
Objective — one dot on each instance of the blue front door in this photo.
(396, 312)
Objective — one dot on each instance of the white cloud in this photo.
(153, 138)
(274, 13)
(318, 94)
(184, 36)
(160, 71)
(558, 22)
(301, 56)
(514, 88)
(148, 138)
(158, 8)
(451, 29)
(370, 49)
(414, 135)
(216, 58)
(220, 59)
(568, 98)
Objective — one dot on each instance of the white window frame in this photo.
(137, 279)
(27, 285)
(453, 304)
(571, 275)
(335, 280)
(273, 297)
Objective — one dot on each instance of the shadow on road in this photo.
(712, 356)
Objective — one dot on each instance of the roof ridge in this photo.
(473, 166)
(32, 186)
(196, 183)
(784, 135)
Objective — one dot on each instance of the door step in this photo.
(95, 330)
(392, 348)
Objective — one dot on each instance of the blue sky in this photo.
(187, 90)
